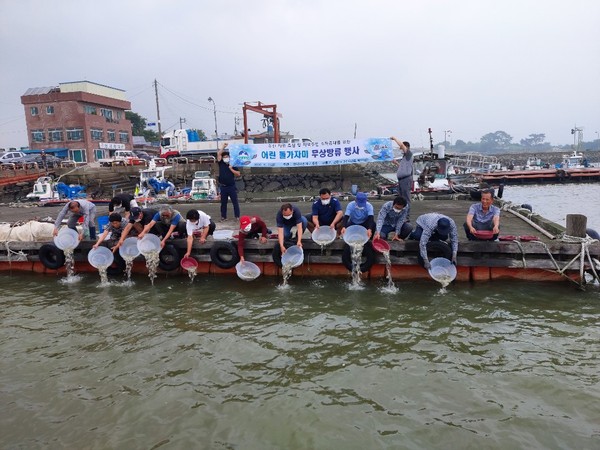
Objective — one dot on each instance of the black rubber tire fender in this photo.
(592, 233)
(276, 255)
(527, 206)
(117, 267)
(169, 258)
(367, 257)
(436, 249)
(51, 256)
(224, 254)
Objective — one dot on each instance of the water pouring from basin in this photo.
(293, 257)
(149, 246)
(356, 237)
(101, 258)
(443, 271)
(190, 265)
(323, 236)
(67, 240)
(129, 251)
(383, 247)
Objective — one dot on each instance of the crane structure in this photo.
(269, 113)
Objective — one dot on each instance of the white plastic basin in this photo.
(293, 256)
(442, 270)
(323, 235)
(247, 270)
(150, 243)
(100, 257)
(129, 248)
(356, 235)
(66, 239)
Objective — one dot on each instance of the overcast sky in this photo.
(392, 67)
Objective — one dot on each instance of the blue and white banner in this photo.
(306, 154)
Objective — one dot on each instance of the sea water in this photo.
(238, 365)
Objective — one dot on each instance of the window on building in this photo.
(112, 135)
(96, 134)
(74, 134)
(77, 155)
(49, 109)
(34, 110)
(119, 115)
(123, 137)
(89, 109)
(38, 135)
(55, 135)
(106, 113)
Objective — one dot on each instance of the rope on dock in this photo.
(20, 255)
(516, 241)
(509, 207)
(585, 252)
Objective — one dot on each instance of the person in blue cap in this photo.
(435, 227)
(359, 212)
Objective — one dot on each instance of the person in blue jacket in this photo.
(359, 212)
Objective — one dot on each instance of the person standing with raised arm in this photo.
(405, 172)
(227, 174)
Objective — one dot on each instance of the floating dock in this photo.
(535, 249)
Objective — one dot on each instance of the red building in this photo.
(80, 120)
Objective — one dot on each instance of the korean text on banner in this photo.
(306, 154)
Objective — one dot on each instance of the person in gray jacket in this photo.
(405, 172)
(76, 209)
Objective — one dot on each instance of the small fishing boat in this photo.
(204, 187)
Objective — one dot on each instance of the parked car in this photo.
(14, 159)
(142, 154)
(11, 156)
(51, 160)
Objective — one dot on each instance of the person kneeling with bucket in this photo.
(433, 227)
(393, 216)
(116, 225)
(483, 219)
(251, 228)
(198, 224)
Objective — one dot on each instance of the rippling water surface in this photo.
(555, 201)
(221, 363)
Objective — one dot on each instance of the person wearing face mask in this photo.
(138, 219)
(359, 212)
(227, 174)
(435, 227)
(287, 217)
(326, 211)
(250, 228)
(197, 224)
(392, 217)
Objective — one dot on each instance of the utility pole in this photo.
(210, 99)
(157, 109)
(181, 122)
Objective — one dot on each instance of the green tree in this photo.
(533, 140)
(499, 140)
(138, 127)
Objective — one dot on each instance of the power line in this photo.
(207, 108)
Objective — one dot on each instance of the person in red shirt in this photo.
(251, 228)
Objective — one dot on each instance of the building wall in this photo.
(69, 112)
